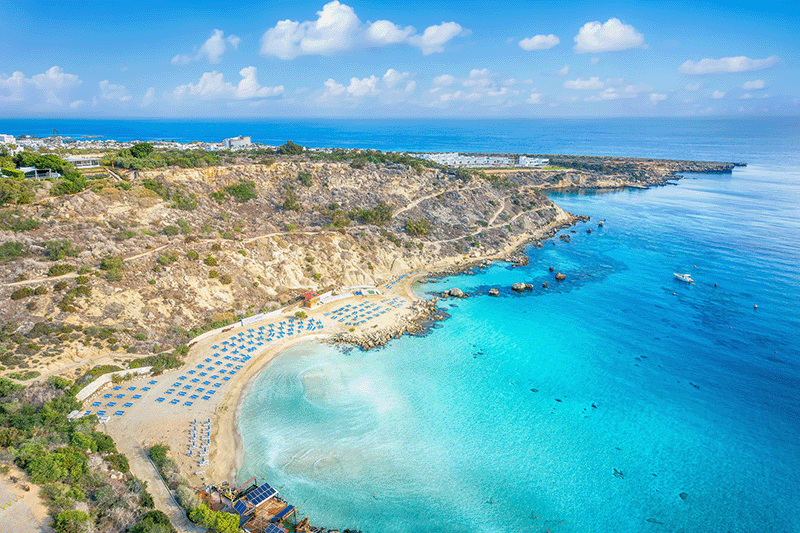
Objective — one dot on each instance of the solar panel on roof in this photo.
(240, 507)
(261, 494)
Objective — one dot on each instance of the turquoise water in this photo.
(664, 388)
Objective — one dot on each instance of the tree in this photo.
(290, 148)
(305, 178)
(418, 226)
(153, 522)
(71, 522)
(141, 150)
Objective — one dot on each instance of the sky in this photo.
(359, 59)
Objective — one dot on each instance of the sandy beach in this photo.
(147, 420)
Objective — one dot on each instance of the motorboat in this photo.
(684, 277)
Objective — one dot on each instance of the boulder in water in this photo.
(456, 293)
(493, 292)
(560, 277)
(684, 496)
(518, 287)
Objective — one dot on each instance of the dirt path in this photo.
(416, 202)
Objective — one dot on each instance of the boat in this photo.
(684, 277)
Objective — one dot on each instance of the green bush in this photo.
(60, 269)
(418, 226)
(225, 279)
(82, 280)
(124, 235)
(213, 274)
(153, 522)
(12, 250)
(115, 274)
(305, 178)
(378, 215)
(290, 148)
(170, 231)
(60, 249)
(22, 292)
(194, 256)
(210, 261)
(110, 263)
(72, 522)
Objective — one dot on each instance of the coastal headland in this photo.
(185, 269)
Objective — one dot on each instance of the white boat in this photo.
(684, 277)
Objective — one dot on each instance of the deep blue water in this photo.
(676, 138)
(664, 388)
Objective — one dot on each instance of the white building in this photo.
(525, 161)
(7, 139)
(236, 143)
(83, 161)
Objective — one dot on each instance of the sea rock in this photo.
(551, 269)
(601, 224)
(544, 285)
(456, 293)
(518, 287)
(493, 292)
(588, 230)
(684, 496)
(560, 277)
(528, 286)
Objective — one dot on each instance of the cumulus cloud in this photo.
(539, 42)
(656, 98)
(534, 98)
(111, 91)
(638, 88)
(434, 38)
(383, 32)
(149, 96)
(393, 86)
(444, 80)
(212, 49)
(563, 71)
(610, 36)
(753, 85)
(53, 84)
(213, 85)
(717, 95)
(693, 86)
(591, 83)
(76, 104)
(479, 78)
(746, 96)
(727, 65)
(338, 29)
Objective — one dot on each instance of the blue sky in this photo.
(351, 58)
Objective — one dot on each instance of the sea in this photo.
(618, 400)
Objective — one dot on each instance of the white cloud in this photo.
(149, 96)
(53, 84)
(563, 71)
(212, 49)
(594, 60)
(363, 87)
(479, 78)
(534, 98)
(213, 85)
(459, 96)
(746, 96)
(693, 86)
(393, 77)
(411, 86)
(639, 88)
(434, 38)
(610, 36)
(727, 65)
(656, 98)
(753, 85)
(383, 32)
(592, 83)
(539, 42)
(110, 91)
(717, 95)
(76, 104)
(338, 29)
(444, 80)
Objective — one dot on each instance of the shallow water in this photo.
(645, 387)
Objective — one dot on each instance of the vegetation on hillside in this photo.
(70, 460)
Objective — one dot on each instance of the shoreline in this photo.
(147, 423)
